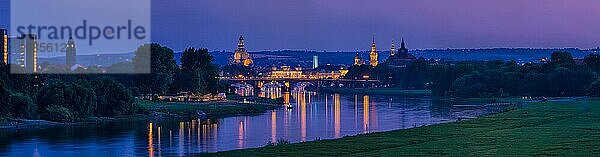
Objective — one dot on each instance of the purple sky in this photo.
(334, 25)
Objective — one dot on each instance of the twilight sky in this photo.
(345, 25)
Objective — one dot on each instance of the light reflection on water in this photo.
(313, 116)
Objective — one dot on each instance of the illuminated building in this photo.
(4, 45)
(401, 58)
(315, 62)
(328, 72)
(358, 60)
(241, 56)
(287, 72)
(27, 52)
(373, 54)
(71, 52)
(393, 49)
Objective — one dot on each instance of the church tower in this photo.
(403, 49)
(393, 49)
(71, 52)
(374, 55)
(357, 60)
(241, 56)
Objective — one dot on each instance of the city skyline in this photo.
(333, 26)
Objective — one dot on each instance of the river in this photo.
(312, 116)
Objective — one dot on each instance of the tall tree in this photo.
(112, 97)
(198, 69)
(154, 77)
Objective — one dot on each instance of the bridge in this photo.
(289, 82)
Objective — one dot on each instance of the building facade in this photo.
(4, 45)
(25, 53)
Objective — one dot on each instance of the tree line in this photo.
(67, 98)
(558, 77)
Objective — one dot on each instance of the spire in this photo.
(373, 56)
(373, 38)
(241, 42)
(373, 48)
(402, 45)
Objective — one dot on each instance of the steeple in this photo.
(374, 55)
(241, 42)
(402, 45)
(402, 50)
(393, 49)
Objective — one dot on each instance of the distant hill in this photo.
(304, 58)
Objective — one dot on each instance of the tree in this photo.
(198, 71)
(469, 86)
(78, 97)
(594, 89)
(112, 98)
(156, 76)
(5, 106)
(562, 58)
(22, 106)
(358, 71)
(593, 61)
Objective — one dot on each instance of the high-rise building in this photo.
(241, 56)
(315, 62)
(4, 45)
(71, 56)
(374, 55)
(393, 49)
(27, 53)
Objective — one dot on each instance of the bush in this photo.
(58, 114)
(22, 106)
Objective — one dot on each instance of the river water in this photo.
(312, 116)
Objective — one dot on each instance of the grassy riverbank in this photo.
(212, 109)
(546, 128)
(379, 91)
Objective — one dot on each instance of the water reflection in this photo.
(313, 116)
(366, 114)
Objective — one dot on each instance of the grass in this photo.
(538, 129)
(380, 91)
(212, 109)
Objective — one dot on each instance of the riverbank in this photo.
(157, 110)
(207, 109)
(379, 91)
(563, 128)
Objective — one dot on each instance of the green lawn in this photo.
(212, 109)
(380, 91)
(538, 129)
